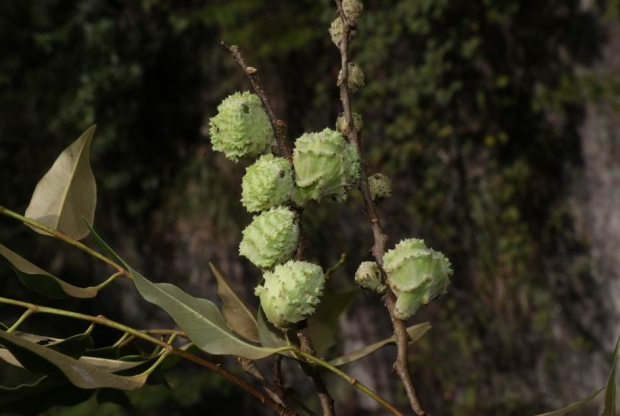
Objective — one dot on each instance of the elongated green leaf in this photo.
(67, 192)
(324, 323)
(42, 360)
(574, 406)
(610, 389)
(74, 346)
(35, 399)
(239, 316)
(269, 335)
(415, 332)
(106, 248)
(200, 319)
(99, 363)
(40, 281)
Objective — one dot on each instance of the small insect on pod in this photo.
(267, 183)
(241, 128)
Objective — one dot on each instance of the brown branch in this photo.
(327, 402)
(277, 407)
(401, 366)
(276, 392)
(279, 127)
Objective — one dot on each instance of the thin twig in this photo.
(401, 366)
(354, 382)
(278, 126)
(276, 392)
(327, 402)
(277, 407)
(64, 237)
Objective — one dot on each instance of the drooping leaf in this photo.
(269, 335)
(74, 346)
(610, 388)
(238, 315)
(41, 282)
(35, 399)
(323, 324)
(67, 192)
(42, 360)
(199, 318)
(99, 363)
(106, 248)
(415, 332)
(574, 406)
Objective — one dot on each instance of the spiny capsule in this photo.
(416, 274)
(355, 77)
(267, 183)
(291, 292)
(368, 276)
(336, 30)
(270, 238)
(325, 165)
(380, 186)
(241, 128)
(353, 10)
(341, 123)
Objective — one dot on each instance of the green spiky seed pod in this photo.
(267, 183)
(291, 292)
(416, 274)
(241, 128)
(355, 77)
(380, 186)
(368, 276)
(341, 123)
(271, 238)
(336, 31)
(325, 165)
(353, 10)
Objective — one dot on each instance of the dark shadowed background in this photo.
(496, 120)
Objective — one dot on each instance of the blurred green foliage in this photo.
(472, 108)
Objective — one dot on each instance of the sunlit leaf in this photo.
(42, 360)
(40, 281)
(415, 332)
(237, 314)
(610, 388)
(67, 193)
(199, 318)
(35, 399)
(323, 324)
(269, 335)
(574, 406)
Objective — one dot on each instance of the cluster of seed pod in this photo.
(415, 273)
(325, 165)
